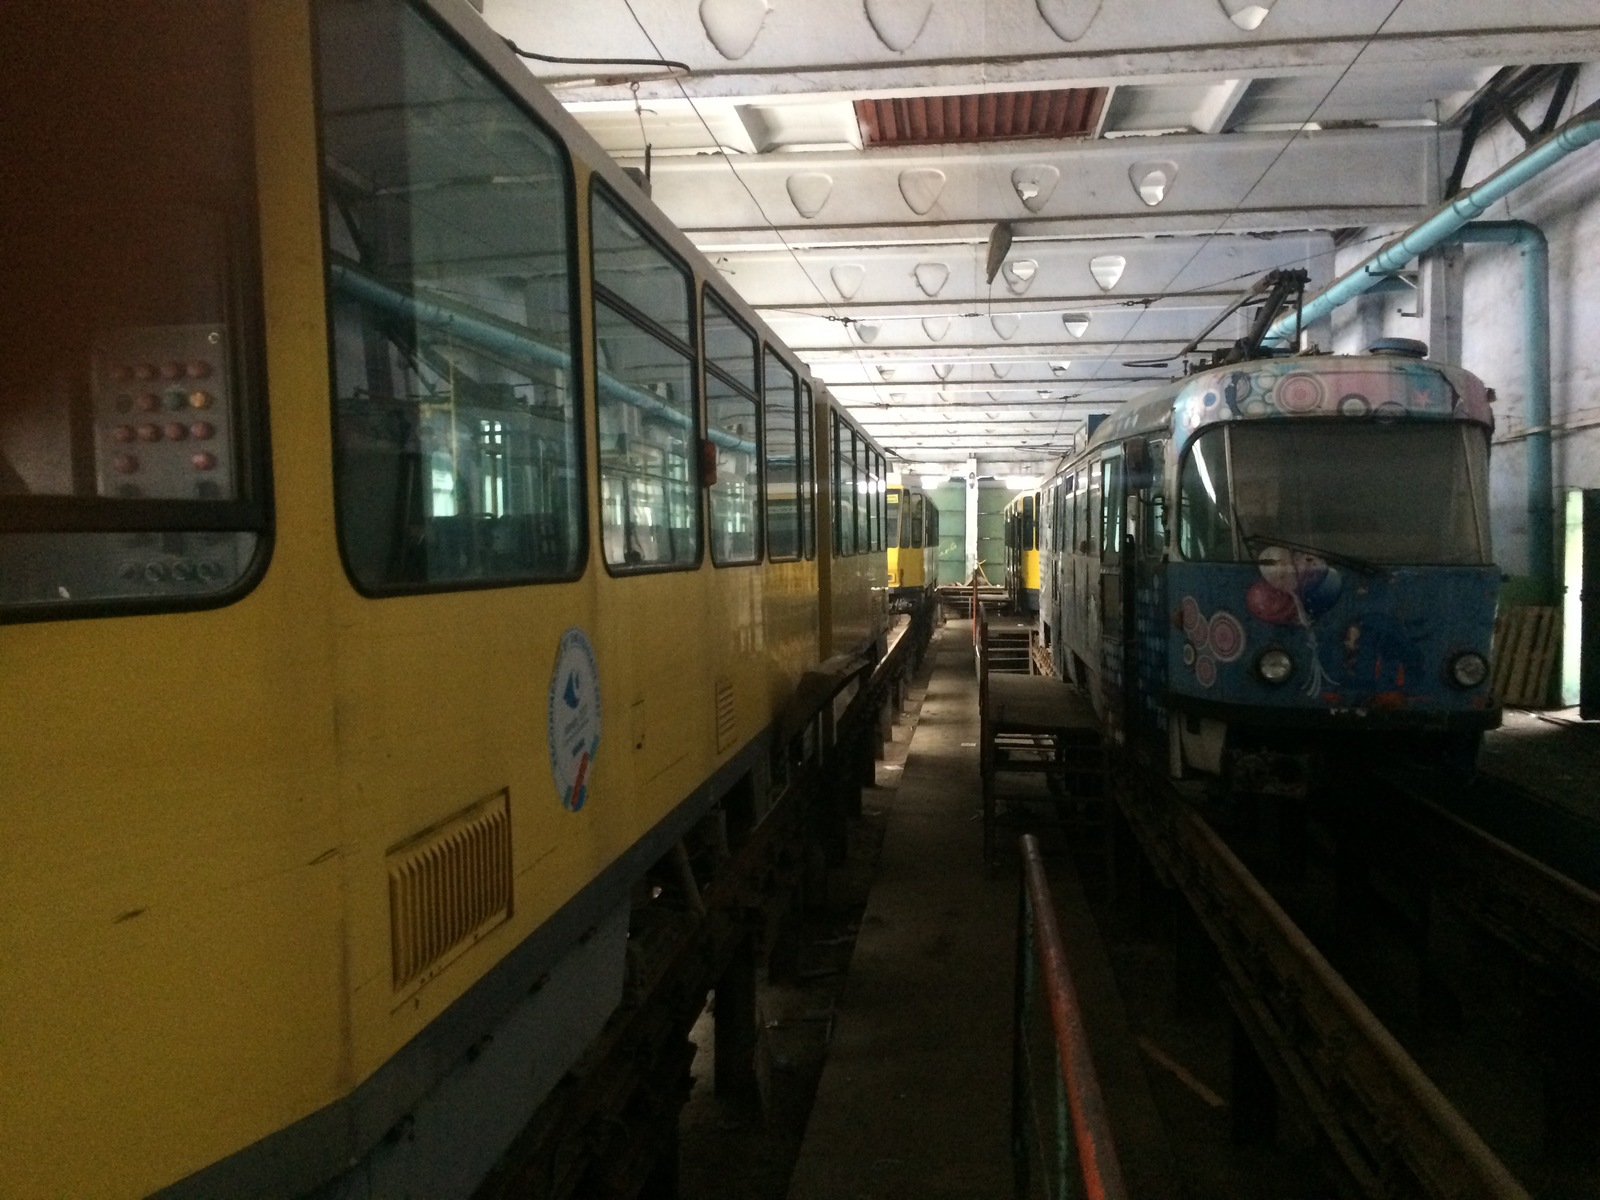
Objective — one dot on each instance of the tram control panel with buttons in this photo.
(162, 417)
(163, 430)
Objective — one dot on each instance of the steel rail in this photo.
(1395, 1132)
(1527, 904)
(1544, 914)
(1039, 938)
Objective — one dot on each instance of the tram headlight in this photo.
(1274, 666)
(1468, 670)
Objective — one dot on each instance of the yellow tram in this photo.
(1022, 552)
(912, 561)
(404, 537)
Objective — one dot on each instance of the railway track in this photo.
(1311, 1028)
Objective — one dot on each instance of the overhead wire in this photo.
(1250, 191)
(726, 158)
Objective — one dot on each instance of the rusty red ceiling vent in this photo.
(986, 117)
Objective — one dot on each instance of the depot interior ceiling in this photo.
(845, 164)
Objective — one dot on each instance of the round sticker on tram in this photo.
(574, 718)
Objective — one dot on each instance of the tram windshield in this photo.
(1362, 491)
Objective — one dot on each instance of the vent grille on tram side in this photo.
(727, 715)
(448, 886)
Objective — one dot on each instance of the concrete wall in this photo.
(1468, 306)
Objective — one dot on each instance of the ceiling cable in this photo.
(821, 295)
(1250, 191)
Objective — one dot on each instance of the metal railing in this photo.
(1070, 1141)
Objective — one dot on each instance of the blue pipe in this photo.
(1535, 251)
(474, 330)
(1449, 223)
(1583, 128)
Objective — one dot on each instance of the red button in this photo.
(204, 462)
(149, 402)
(172, 369)
(199, 368)
(176, 431)
(202, 430)
(145, 371)
(126, 464)
(149, 433)
(122, 372)
(122, 433)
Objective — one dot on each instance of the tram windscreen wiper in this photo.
(1256, 541)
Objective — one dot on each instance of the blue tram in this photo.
(1270, 555)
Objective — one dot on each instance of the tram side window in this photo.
(808, 511)
(844, 485)
(858, 493)
(731, 416)
(1112, 501)
(882, 501)
(781, 397)
(457, 456)
(918, 517)
(1154, 533)
(892, 528)
(132, 461)
(867, 496)
(1204, 532)
(649, 479)
(875, 499)
(1092, 515)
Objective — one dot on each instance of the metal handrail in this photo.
(1084, 1163)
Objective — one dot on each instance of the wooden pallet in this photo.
(1527, 641)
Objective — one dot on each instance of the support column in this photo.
(972, 516)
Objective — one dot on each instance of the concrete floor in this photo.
(915, 1098)
(1553, 752)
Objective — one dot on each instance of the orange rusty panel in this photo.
(980, 117)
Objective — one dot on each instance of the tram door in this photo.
(1144, 580)
(1114, 591)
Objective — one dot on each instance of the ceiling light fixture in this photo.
(1152, 179)
(1077, 323)
(1247, 14)
(1019, 275)
(1107, 270)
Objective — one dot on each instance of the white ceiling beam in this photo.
(837, 46)
(1178, 222)
(910, 310)
(977, 357)
(1235, 182)
(1024, 391)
